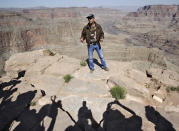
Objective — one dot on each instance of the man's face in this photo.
(91, 20)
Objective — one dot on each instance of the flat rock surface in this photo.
(85, 101)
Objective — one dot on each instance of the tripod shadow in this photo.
(114, 120)
(161, 124)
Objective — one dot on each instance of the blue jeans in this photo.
(98, 49)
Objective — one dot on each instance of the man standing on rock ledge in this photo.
(93, 34)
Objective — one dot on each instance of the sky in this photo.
(81, 3)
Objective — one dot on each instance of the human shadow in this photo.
(84, 116)
(13, 109)
(27, 120)
(21, 74)
(95, 62)
(5, 93)
(7, 89)
(19, 110)
(161, 124)
(114, 120)
(11, 83)
(33, 121)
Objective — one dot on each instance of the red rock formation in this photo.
(5, 38)
(32, 38)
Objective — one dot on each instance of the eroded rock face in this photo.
(25, 30)
(164, 40)
(19, 41)
(157, 11)
(154, 26)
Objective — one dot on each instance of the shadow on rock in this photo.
(21, 74)
(85, 122)
(7, 89)
(13, 110)
(114, 120)
(161, 124)
(30, 120)
(95, 62)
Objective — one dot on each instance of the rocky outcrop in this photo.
(60, 106)
(36, 31)
(61, 28)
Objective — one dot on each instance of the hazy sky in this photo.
(79, 3)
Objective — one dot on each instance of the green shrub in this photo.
(83, 63)
(48, 52)
(32, 103)
(118, 92)
(172, 88)
(168, 89)
(67, 78)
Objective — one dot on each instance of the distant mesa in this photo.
(156, 11)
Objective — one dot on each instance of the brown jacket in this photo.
(85, 34)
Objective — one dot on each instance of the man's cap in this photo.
(90, 16)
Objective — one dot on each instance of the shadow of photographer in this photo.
(85, 122)
(114, 120)
(161, 124)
